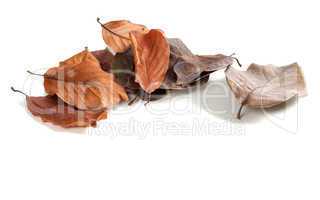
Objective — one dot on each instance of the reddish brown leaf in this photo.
(80, 81)
(116, 34)
(151, 58)
(54, 110)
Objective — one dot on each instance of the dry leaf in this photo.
(54, 110)
(188, 67)
(151, 58)
(105, 58)
(116, 34)
(265, 86)
(191, 67)
(177, 50)
(187, 70)
(80, 81)
(122, 68)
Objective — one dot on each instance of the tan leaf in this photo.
(54, 110)
(265, 86)
(116, 34)
(80, 81)
(151, 58)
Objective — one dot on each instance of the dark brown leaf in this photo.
(122, 68)
(105, 58)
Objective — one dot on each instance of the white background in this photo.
(270, 156)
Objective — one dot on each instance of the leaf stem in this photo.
(112, 32)
(133, 100)
(236, 59)
(148, 99)
(19, 91)
(46, 76)
(201, 77)
(239, 111)
(227, 68)
(32, 73)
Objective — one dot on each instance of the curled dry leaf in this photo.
(187, 70)
(80, 81)
(178, 50)
(151, 58)
(265, 86)
(116, 34)
(54, 110)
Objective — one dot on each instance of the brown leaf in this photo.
(122, 68)
(265, 86)
(151, 58)
(54, 110)
(170, 81)
(105, 58)
(116, 34)
(177, 50)
(80, 81)
(189, 67)
(187, 70)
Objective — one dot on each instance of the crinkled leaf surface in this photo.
(151, 58)
(122, 28)
(265, 86)
(187, 70)
(189, 67)
(80, 81)
(54, 110)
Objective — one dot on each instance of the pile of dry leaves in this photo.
(142, 63)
